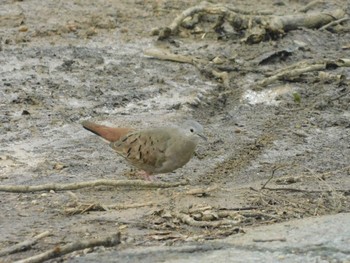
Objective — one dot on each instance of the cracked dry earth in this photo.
(63, 62)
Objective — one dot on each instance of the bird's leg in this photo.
(145, 175)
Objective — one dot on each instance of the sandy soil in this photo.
(63, 62)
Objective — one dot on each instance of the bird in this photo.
(153, 150)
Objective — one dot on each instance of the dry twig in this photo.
(78, 245)
(79, 185)
(310, 5)
(282, 239)
(23, 245)
(299, 190)
(81, 208)
(334, 23)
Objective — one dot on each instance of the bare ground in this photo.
(66, 61)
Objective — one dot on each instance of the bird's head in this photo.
(194, 129)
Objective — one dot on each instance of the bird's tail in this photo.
(108, 133)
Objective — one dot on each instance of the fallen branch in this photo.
(79, 245)
(79, 185)
(252, 21)
(205, 7)
(23, 245)
(201, 64)
(299, 68)
(172, 28)
(291, 74)
(312, 20)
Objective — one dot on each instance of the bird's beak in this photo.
(202, 136)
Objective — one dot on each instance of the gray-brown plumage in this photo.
(155, 151)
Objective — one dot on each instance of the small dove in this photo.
(154, 151)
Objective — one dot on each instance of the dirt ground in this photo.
(63, 62)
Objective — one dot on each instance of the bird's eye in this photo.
(191, 130)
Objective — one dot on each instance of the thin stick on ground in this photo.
(268, 180)
(81, 208)
(299, 190)
(166, 55)
(128, 206)
(282, 239)
(23, 245)
(78, 245)
(244, 208)
(305, 190)
(79, 185)
(310, 5)
(334, 23)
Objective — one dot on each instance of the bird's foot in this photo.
(145, 175)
